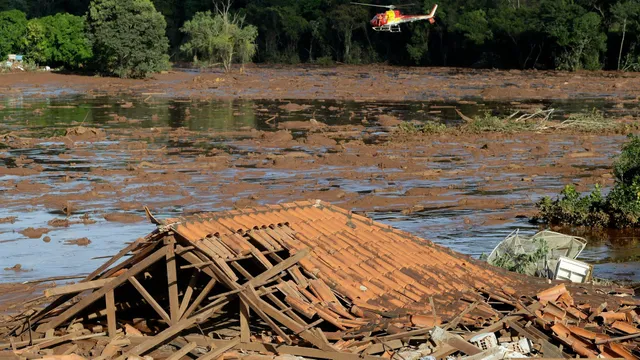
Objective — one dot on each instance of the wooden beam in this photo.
(91, 298)
(215, 353)
(186, 298)
(76, 288)
(172, 281)
(172, 331)
(245, 332)
(202, 340)
(112, 261)
(203, 295)
(183, 351)
(111, 313)
(265, 276)
(154, 304)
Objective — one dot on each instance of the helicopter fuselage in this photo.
(390, 20)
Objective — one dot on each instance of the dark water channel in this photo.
(615, 254)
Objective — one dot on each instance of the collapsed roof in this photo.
(305, 278)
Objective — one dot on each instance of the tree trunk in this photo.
(624, 33)
(347, 46)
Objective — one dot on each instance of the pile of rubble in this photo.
(312, 280)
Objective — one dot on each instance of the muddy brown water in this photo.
(176, 155)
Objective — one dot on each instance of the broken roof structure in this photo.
(313, 280)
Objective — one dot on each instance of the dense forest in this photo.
(518, 34)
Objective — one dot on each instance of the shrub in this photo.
(621, 207)
(13, 27)
(128, 37)
(58, 40)
(222, 37)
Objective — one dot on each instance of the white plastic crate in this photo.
(573, 270)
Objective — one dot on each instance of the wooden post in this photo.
(189, 292)
(172, 280)
(111, 313)
(91, 298)
(154, 304)
(244, 322)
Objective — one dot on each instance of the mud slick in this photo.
(309, 279)
(373, 83)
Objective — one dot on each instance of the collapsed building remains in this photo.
(312, 280)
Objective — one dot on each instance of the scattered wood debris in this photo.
(312, 280)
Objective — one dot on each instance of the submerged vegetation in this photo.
(620, 208)
(540, 120)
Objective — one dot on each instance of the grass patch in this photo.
(619, 209)
(539, 121)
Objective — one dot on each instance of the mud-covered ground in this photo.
(371, 83)
(77, 170)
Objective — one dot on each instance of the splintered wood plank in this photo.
(283, 349)
(189, 292)
(203, 295)
(154, 304)
(76, 288)
(215, 353)
(183, 351)
(91, 298)
(111, 313)
(172, 281)
(244, 322)
(284, 265)
(171, 331)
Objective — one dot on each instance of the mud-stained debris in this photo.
(80, 242)
(87, 134)
(388, 120)
(8, 220)
(292, 107)
(59, 223)
(46, 239)
(16, 268)
(319, 140)
(312, 280)
(123, 218)
(34, 233)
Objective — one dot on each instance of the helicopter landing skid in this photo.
(388, 28)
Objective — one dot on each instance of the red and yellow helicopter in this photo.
(391, 19)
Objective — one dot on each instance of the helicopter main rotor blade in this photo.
(374, 5)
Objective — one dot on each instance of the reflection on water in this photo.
(261, 114)
(47, 117)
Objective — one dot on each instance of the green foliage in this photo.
(220, 38)
(545, 34)
(620, 208)
(58, 40)
(13, 27)
(475, 26)
(521, 262)
(128, 37)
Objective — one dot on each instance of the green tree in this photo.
(475, 26)
(626, 19)
(577, 34)
(128, 37)
(222, 37)
(13, 27)
(347, 19)
(58, 40)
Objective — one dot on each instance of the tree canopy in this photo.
(521, 34)
(128, 37)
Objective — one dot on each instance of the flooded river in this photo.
(182, 156)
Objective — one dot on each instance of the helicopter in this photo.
(390, 20)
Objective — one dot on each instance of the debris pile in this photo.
(312, 280)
